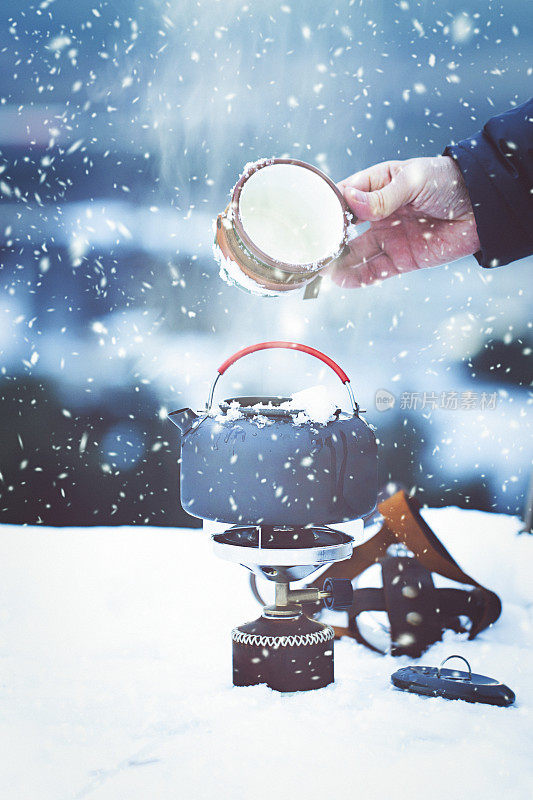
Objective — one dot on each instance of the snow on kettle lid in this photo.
(314, 404)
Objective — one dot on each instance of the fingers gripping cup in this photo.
(286, 221)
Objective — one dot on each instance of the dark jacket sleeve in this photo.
(497, 165)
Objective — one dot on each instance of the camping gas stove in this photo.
(278, 479)
(284, 648)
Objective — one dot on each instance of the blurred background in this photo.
(123, 126)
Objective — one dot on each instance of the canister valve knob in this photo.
(339, 594)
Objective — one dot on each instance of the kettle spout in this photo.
(183, 418)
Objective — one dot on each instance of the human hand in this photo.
(420, 216)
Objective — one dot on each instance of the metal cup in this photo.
(254, 270)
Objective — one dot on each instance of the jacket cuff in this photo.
(494, 197)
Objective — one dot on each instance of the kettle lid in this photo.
(266, 406)
(255, 405)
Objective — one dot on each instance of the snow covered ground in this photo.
(115, 680)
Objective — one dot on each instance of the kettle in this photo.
(249, 463)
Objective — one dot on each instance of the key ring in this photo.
(462, 659)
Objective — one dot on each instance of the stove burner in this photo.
(282, 553)
(281, 538)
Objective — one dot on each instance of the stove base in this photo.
(289, 655)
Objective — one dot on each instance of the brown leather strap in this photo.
(404, 524)
(418, 612)
(402, 516)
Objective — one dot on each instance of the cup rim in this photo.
(260, 254)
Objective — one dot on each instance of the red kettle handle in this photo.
(303, 348)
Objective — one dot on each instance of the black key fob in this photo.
(453, 684)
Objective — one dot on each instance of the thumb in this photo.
(381, 202)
